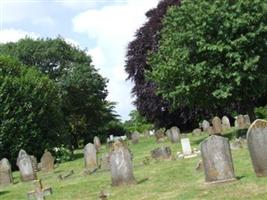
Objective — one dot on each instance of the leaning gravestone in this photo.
(161, 153)
(205, 125)
(257, 145)
(90, 159)
(121, 165)
(97, 143)
(5, 172)
(25, 166)
(47, 162)
(217, 159)
(186, 147)
(135, 137)
(226, 122)
(217, 125)
(173, 134)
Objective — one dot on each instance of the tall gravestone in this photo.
(47, 162)
(226, 122)
(217, 125)
(240, 122)
(121, 165)
(247, 121)
(5, 172)
(257, 145)
(90, 158)
(186, 147)
(135, 137)
(217, 159)
(173, 134)
(205, 125)
(97, 143)
(25, 166)
(34, 163)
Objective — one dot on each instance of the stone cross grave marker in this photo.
(217, 160)
(25, 166)
(47, 162)
(5, 172)
(121, 165)
(135, 137)
(257, 145)
(39, 192)
(90, 158)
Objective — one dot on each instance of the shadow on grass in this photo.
(240, 177)
(3, 192)
(142, 181)
(77, 156)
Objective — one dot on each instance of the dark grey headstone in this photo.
(217, 159)
(257, 145)
(173, 134)
(25, 167)
(5, 172)
(217, 125)
(161, 153)
(135, 137)
(47, 162)
(90, 158)
(121, 165)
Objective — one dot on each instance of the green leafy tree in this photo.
(212, 55)
(30, 111)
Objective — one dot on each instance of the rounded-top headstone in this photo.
(121, 165)
(97, 143)
(5, 172)
(25, 166)
(205, 125)
(175, 134)
(240, 122)
(226, 122)
(257, 145)
(217, 159)
(217, 125)
(90, 158)
(47, 162)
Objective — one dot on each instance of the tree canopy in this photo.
(212, 54)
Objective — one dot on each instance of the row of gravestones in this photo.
(27, 165)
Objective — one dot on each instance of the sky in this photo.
(102, 27)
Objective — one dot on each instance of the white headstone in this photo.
(186, 146)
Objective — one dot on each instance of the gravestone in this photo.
(104, 162)
(240, 122)
(47, 162)
(25, 166)
(226, 122)
(135, 137)
(205, 125)
(197, 131)
(186, 147)
(173, 134)
(39, 193)
(121, 165)
(159, 134)
(217, 159)
(90, 159)
(34, 163)
(161, 153)
(217, 125)
(97, 143)
(247, 121)
(5, 172)
(257, 145)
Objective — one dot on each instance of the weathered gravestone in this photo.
(97, 143)
(226, 122)
(159, 134)
(247, 121)
(161, 153)
(104, 162)
(217, 159)
(90, 159)
(240, 122)
(173, 134)
(135, 137)
(217, 125)
(121, 165)
(5, 172)
(39, 192)
(197, 131)
(47, 162)
(34, 163)
(25, 166)
(257, 145)
(186, 147)
(205, 125)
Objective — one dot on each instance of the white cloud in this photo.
(113, 27)
(13, 35)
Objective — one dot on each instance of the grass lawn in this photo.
(164, 180)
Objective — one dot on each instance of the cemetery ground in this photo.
(158, 180)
